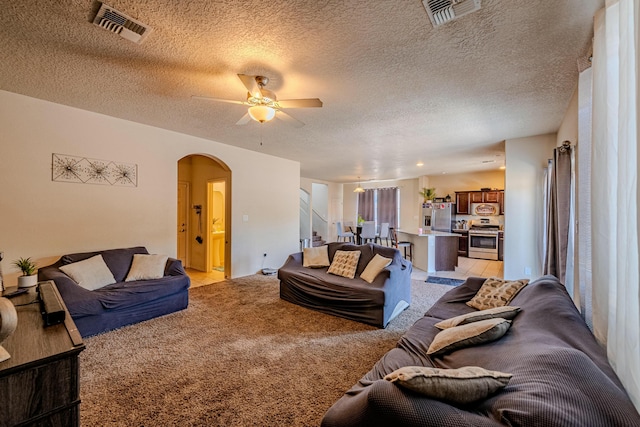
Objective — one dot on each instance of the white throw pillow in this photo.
(147, 267)
(375, 266)
(316, 257)
(91, 273)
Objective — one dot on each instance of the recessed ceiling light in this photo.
(503, 167)
(419, 164)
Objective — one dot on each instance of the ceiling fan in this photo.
(263, 104)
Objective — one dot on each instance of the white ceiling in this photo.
(395, 90)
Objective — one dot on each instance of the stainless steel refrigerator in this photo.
(438, 216)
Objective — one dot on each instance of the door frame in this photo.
(187, 259)
(209, 251)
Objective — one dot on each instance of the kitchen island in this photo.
(432, 250)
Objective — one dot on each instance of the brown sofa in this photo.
(561, 376)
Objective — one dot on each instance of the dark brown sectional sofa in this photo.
(561, 376)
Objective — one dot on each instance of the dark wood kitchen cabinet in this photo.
(463, 243)
(476, 196)
(40, 383)
(484, 196)
(490, 196)
(465, 198)
(462, 203)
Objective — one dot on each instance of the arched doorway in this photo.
(204, 217)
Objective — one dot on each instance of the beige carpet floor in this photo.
(237, 356)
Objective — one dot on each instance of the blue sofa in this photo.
(122, 303)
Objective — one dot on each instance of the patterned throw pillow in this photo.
(463, 385)
(507, 312)
(496, 293)
(345, 263)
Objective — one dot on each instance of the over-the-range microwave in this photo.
(485, 209)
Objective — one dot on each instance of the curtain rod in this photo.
(566, 146)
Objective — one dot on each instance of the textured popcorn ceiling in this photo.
(395, 90)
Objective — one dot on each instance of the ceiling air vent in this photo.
(442, 11)
(117, 22)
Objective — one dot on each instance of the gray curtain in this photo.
(558, 212)
(388, 206)
(366, 204)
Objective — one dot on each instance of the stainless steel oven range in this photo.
(483, 242)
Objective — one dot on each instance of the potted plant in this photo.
(28, 268)
(428, 194)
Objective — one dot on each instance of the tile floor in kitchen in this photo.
(466, 267)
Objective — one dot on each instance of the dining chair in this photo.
(368, 232)
(384, 233)
(347, 236)
(403, 244)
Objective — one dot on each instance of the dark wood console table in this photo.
(40, 383)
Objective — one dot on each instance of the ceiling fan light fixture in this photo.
(262, 113)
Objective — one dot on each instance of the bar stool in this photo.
(403, 244)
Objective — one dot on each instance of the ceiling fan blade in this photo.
(288, 119)
(244, 119)
(300, 103)
(251, 84)
(207, 98)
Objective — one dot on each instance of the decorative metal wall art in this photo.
(66, 168)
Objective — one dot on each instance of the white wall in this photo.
(524, 183)
(44, 219)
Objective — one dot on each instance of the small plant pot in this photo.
(27, 281)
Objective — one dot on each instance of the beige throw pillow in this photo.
(91, 273)
(496, 293)
(345, 263)
(375, 266)
(506, 312)
(147, 267)
(463, 385)
(467, 335)
(317, 257)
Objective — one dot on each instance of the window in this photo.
(379, 205)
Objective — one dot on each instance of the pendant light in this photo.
(359, 188)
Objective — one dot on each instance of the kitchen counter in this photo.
(432, 250)
(426, 233)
